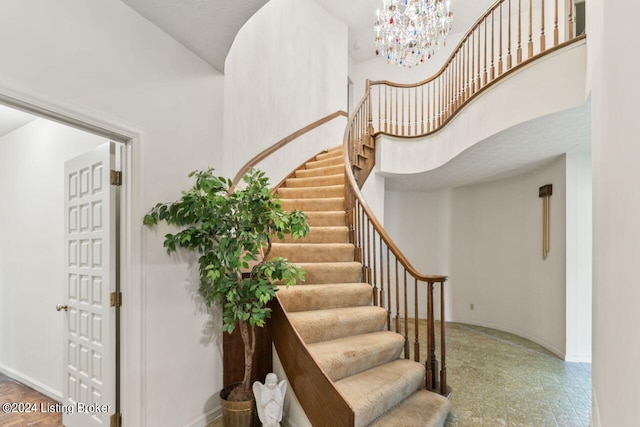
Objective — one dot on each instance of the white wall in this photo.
(497, 262)
(420, 224)
(615, 89)
(101, 61)
(579, 259)
(286, 69)
(31, 238)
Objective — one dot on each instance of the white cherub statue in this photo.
(269, 400)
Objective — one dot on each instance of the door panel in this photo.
(90, 276)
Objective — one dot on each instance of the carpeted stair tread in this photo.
(351, 355)
(331, 272)
(313, 205)
(327, 218)
(311, 192)
(323, 171)
(329, 155)
(336, 148)
(330, 324)
(373, 392)
(313, 252)
(322, 235)
(422, 409)
(323, 297)
(316, 181)
(313, 164)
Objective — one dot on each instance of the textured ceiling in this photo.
(512, 152)
(206, 27)
(11, 119)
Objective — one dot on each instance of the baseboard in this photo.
(206, 419)
(577, 359)
(595, 412)
(30, 382)
(539, 341)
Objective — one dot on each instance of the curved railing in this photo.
(280, 144)
(509, 35)
(499, 43)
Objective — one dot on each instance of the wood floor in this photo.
(13, 392)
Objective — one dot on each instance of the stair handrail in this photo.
(281, 143)
(303, 372)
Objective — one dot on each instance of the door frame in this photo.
(131, 312)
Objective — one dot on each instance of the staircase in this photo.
(332, 312)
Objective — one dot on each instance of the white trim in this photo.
(207, 418)
(30, 382)
(131, 338)
(585, 358)
(539, 341)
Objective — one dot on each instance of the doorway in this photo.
(32, 251)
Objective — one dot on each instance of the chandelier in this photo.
(410, 31)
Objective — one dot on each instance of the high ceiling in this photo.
(208, 27)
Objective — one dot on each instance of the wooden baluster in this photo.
(543, 43)
(500, 46)
(379, 105)
(375, 275)
(396, 118)
(555, 26)
(530, 44)
(402, 109)
(381, 271)
(368, 250)
(388, 289)
(509, 63)
(423, 117)
(478, 70)
(458, 69)
(416, 345)
(493, 34)
(571, 21)
(519, 50)
(406, 314)
(397, 298)
(467, 70)
(431, 344)
(387, 101)
(472, 61)
(484, 65)
(415, 109)
(443, 361)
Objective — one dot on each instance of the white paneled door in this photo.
(89, 387)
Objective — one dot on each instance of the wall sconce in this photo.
(545, 192)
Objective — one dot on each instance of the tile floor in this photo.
(500, 379)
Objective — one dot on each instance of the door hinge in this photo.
(116, 420)
(116, 299)
(116, 178)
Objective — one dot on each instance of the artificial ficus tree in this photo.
(233, 231)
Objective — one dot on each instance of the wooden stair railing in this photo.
(305, 376)
(280, 144)
(484, 56)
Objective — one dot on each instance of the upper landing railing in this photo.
(509, 35)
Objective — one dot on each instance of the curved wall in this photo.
(286, 68)
(537, 90)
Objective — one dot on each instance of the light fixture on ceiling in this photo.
(410, 31)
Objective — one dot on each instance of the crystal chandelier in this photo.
(410, 31)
